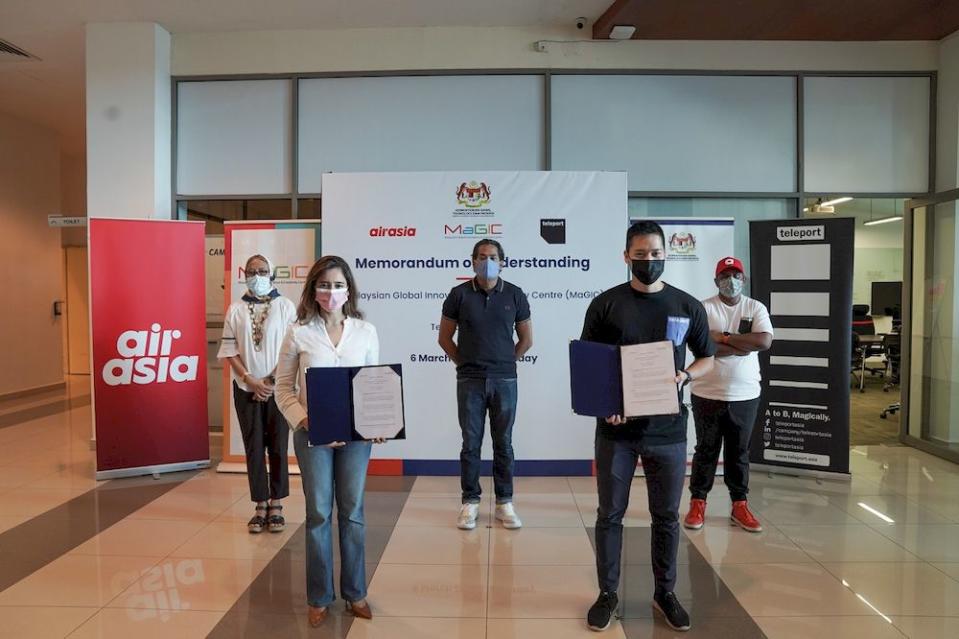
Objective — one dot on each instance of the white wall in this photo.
(30, 337)
(128, 120)
(512, 48)
(947, 131)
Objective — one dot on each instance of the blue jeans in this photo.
(327, 472)
(665, 467)
(475, 397)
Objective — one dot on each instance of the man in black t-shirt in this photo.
(641, 311)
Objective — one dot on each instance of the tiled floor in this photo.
(875, 557)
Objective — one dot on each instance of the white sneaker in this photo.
(467, 518)
(506, 514)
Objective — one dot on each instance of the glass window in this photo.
(215, 212)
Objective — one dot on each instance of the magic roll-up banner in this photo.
(802, 271)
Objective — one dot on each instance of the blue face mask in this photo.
(487, 269)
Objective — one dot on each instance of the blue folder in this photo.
(329, 404)
(596, 379)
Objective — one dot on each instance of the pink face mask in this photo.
(334, 300)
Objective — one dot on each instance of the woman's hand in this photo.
(335, 445)
(379, 440)
(262, 388)
(615, 420)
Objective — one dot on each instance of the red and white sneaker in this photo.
(696, 516)
(742, 517)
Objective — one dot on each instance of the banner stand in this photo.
(798, 472)
(151, 470)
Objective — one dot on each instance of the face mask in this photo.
(730, 287)
(334, 300)
(259, 285)
(487, 269)
(648, 271)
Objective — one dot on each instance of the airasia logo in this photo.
(393, 231)
(145, 359)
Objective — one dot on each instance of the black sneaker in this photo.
(676, 616)
(601, 613)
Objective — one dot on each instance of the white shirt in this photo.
(238, 336)
(735, 378)
(309, 346)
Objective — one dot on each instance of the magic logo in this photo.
(294, 273)
(146, 358)
(473, 230)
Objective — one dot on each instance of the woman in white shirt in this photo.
(330, 332)
(253, 332)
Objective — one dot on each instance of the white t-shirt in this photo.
(308, 346)
(238, 336)
(735, 378)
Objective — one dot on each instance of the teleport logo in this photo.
(145, 358)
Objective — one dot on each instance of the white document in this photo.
(649, 380)
(378, 402)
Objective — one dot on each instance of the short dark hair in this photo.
(644, 227)
(488, 242)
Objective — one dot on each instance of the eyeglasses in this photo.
(265, 272)
(329, 286)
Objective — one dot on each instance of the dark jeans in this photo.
(721, 423)
(265, 432)
(475, 397)
(665, 467)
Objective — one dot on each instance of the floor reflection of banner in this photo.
(293, 247)
(409, 237)
(802, 271)
(693, 247)
(149, 346)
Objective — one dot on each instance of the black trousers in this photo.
(719, 424)
(265, 434)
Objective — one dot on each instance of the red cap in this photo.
(729, 263)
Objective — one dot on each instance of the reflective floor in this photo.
(875, 557)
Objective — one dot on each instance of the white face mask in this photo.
(259, 285)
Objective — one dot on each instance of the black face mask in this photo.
(648, 271)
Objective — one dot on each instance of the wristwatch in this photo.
(689, 377)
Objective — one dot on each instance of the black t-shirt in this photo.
(485, 321)
(623, 316)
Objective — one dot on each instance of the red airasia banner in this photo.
(148, 320)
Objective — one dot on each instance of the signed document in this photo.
(377, 403)
(649, 380)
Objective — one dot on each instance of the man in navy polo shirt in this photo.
(486, 311)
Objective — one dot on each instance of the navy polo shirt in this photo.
(486, 321)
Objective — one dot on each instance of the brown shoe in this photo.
(359, 610)
(317, 616)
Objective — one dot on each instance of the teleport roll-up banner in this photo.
(409, 236)
(293, 247)
(802, 271)
(693, 247)
(147, 311)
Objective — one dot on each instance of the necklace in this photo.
(257, 320)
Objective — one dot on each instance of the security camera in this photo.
(581, 23)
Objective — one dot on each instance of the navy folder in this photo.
(329, 404)
(596, 379)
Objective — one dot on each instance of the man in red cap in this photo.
(725, 400)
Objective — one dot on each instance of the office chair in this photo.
(858, 362)
(862, 323)
(893, 345)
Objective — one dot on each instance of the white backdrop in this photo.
(409, 236)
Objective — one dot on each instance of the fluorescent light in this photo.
(838, 200)
(883, 220)
(878, 612)
(885, 518)
(622, 32)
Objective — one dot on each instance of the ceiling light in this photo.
(883, 220)
(885, 518)
(838, 200)
(622, 32)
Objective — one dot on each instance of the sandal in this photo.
(258, 522)
(276, 521)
